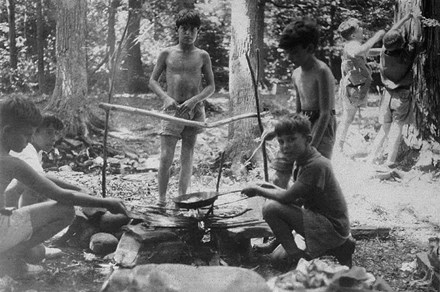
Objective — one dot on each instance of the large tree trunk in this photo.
(12, 41)
(426, 70)
(133, 62)
(69, 96)
(242, 99)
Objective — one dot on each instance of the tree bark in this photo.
(427, 74)
(133, 62)
(13, 59)
(242, 100)
(40, 46)
(69, 97)
(426, 85)
(111, 36)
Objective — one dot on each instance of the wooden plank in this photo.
(366, 231)
(156, 114)
(127, 252)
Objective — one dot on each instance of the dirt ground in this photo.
(408, 205)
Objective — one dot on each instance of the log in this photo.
(132, 110)
(366, 231)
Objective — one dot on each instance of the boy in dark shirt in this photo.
(314, 206)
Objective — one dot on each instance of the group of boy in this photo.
(397, 56)
(304, 197)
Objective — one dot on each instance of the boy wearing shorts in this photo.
(356, 75)
(396, 61)
(314, 206)
(183, 65)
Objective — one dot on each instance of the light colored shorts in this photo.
(354, 96)
(179, 131)
(396, 106)
(15, 228)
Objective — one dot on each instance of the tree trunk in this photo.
(111, 36)
(40, 47)
(426, 71)
(133, 63)
(68, 99)
(242, 100)
(12, 42)
(259, 22)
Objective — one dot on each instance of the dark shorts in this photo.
(283, 163)
(180, 131)
(354, 96)
(396, 106)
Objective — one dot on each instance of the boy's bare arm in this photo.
(297, 100)
(206, 92)
(402, 21)
(42, 185)
(366, 47)
(154, 85)
(326, 93)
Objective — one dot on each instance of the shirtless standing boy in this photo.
(183, 65)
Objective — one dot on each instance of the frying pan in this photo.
(199, 199)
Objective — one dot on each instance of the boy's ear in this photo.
(309, 138)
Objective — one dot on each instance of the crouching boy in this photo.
(313, 206)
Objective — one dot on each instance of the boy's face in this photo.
(293, 145)
(44, 138)
(18, 137)
(299, 54)
(187, 34)
(358, 34)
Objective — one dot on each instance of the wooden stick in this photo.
(132, 110)
(257, 101)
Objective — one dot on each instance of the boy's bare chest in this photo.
(180, 62)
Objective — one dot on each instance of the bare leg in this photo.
(47, 219)
(394, 138)
(378, 142)
(186, 162)
(347, 120)
(167, 148)
(29, 198)
(282, 219)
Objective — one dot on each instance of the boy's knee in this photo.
(270, 208)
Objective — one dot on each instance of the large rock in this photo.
(103, 243)
(177, 277)
(112, 223)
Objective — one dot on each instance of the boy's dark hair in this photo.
(348, 27)
(393, 40)
(51, 120)
(189, 18)
(19, 111)
(299, 32)
(293, 123)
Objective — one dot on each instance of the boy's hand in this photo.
(116, 206)
(249, 191)
(170, 104)
(186, 107)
